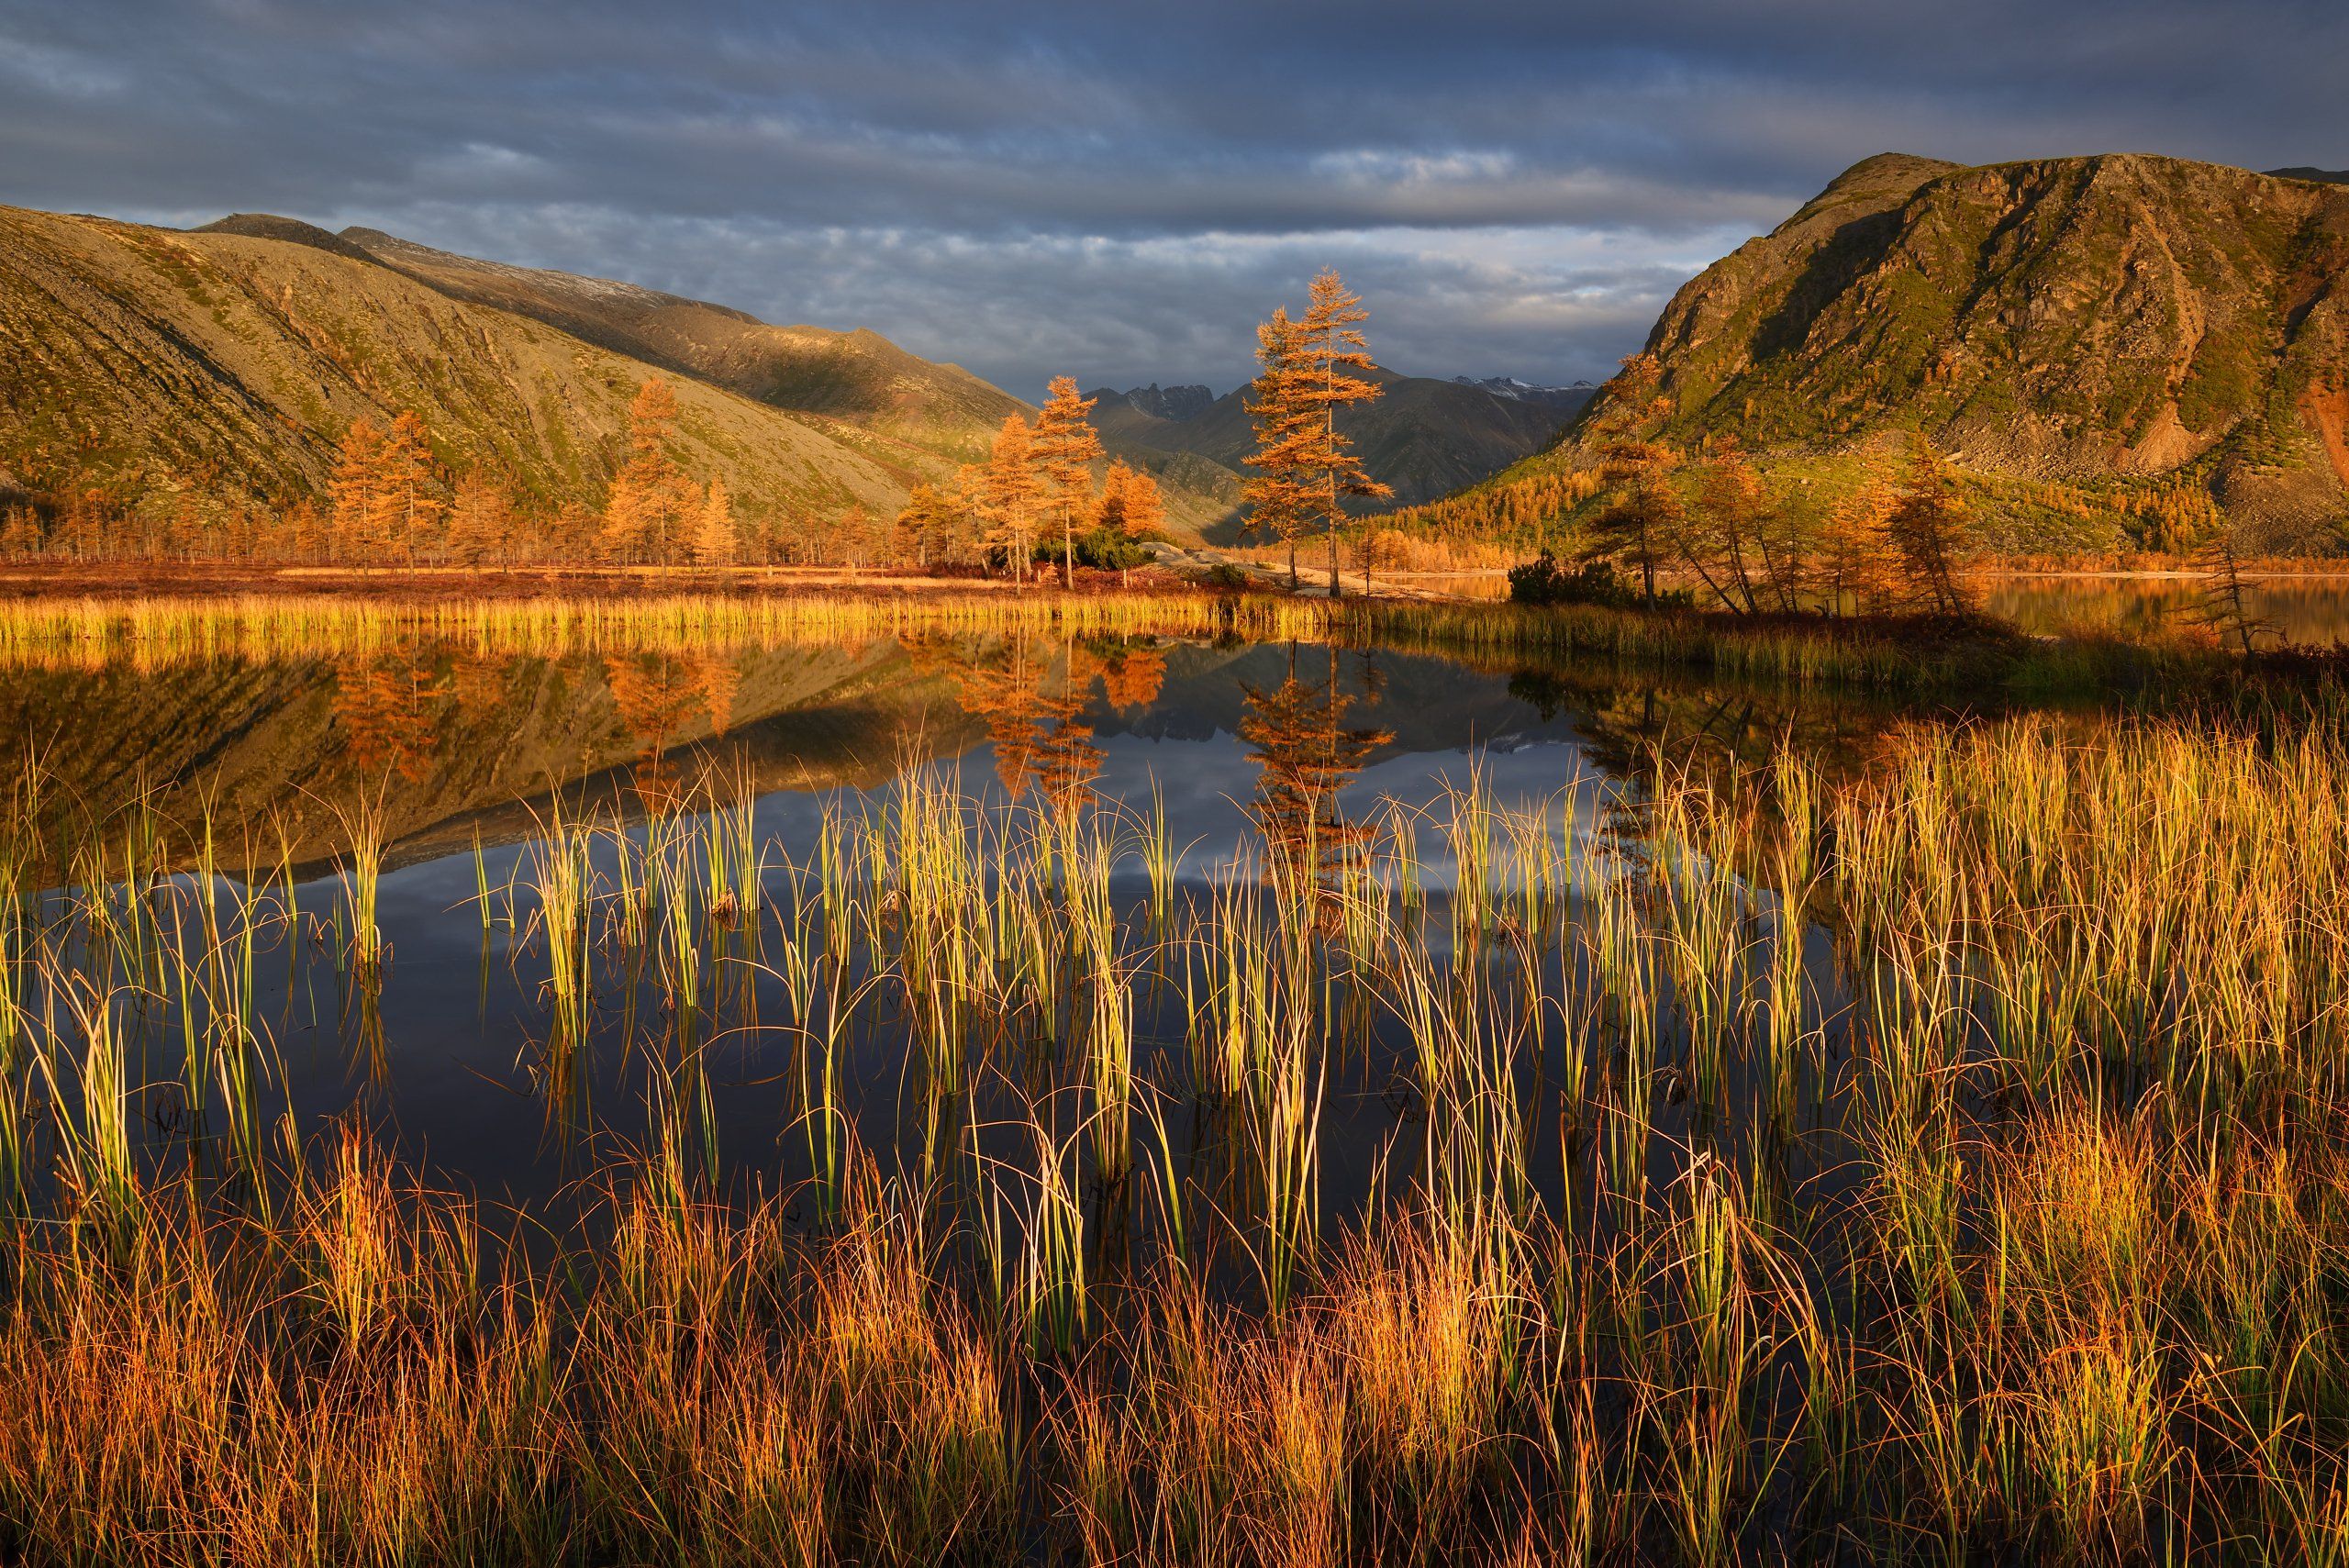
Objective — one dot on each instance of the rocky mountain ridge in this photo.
(2104, 322)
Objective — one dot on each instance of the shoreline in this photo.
(25, 582)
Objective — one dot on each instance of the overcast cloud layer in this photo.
(1115, 189)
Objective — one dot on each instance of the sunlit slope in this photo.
(2073, 331)
(209, 364)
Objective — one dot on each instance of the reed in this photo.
(1942, 1157)
(362, 873)
(161, 631)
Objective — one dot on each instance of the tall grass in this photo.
(161, 631)
(1945, 1162)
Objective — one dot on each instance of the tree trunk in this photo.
(1337, 586)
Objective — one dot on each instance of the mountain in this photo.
(856, 377)
(2102, 322)
(1172, 402)
(224, 363)
(1424, 436)
(211, 367)
(2321, 176)
(1567, 399)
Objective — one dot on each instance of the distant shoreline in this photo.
(206, 579)
(2154, 574)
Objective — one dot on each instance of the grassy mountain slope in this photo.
(2082, 320)
(859, 378)
(909, 413)
(2084, 335)
(218, 364)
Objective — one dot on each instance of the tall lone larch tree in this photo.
(1333, 349)
(1064, 446)
(1645, 514)
(1279, 502)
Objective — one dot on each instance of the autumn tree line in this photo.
(389, 502)
(1034, 502)
(1705, 527)
(1652, 521)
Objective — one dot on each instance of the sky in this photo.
(1121, 189)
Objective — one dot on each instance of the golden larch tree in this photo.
(1065, 445)
(1279, 504)
(1333, 349)
(481, 521)
(651, 500)
(930, 529)
(1725, 546)
(716, 541)
(1130, 507)
(1929, 526)
(1853, 568)
(352, 490)
(407, 492)
(1010, 494)
(1644, 516)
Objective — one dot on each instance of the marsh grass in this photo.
(2014, 1229)
(160, 631)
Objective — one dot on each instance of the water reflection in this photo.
(724, 962)
(1306, 755)
(461, 747)
(2310, 610)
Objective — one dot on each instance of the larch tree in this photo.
(1928, 526)
(481, 521)
(407, 492)
(855, 537)
(2226, 606)
(352, 490)
(1788, 538)
(1010, 494)
(306, 530)
(928, 528)
(1645, 515)
(1279, 503)
(716, 542)
(1130, 507)
(1725, 545)
(1852, 556)
(1065, 445)
(1333, 349)
(651, 500)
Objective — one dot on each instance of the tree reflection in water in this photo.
(1307, 755)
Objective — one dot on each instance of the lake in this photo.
(2312, 610)
(1143, 1081)
(461, 764)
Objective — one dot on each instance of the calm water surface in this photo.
(467, 758)
(2312, 611)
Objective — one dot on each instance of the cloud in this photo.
(1122, 191)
